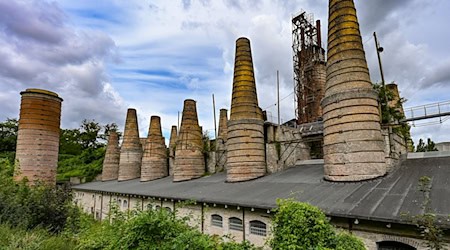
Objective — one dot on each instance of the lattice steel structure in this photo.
(309, 67)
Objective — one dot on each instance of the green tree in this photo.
(430, 146)
(8, 135)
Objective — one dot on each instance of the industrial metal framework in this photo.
(309, 67)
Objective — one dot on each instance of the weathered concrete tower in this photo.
(223, 128)
(245, 137)
(112, 156)
(221, 150)
(189, 159)
(38, 136)
(154, 160)
(131, 150)
(353, 145)
(172, 144)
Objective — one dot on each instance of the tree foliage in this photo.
(28, 207)
(8, 135)
(422, 147)
(302, 226)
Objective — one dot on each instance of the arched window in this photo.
(119, 202)
(235, 224)
(157, 207)
(258, 228)
(216, 220)
(394, 245)
(125, 204)
(168, 209)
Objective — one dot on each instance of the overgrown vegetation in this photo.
(427, 223)
(42, 217)
(302, 226)
(150, 229)
(422, 147)
(392, 111)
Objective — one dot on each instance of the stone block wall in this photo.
(284, 147)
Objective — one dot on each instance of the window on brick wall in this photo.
(235, 224)
(258, 228)
(216, 220)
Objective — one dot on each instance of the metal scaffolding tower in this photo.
(309, 67)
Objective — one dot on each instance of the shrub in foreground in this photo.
(302, 226)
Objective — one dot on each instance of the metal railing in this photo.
(433, 110)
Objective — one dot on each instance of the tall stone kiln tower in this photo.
(189, 159)
(131, 149)
(154, 160)
(172, 146)
(112, 156)
(38, 136)
(245, 137)
(353, 145)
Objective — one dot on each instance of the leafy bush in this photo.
(30, 207)
(302, 226)
(150, 229)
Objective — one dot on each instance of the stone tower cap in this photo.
(41, 91)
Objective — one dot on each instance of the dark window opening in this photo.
(394, 245)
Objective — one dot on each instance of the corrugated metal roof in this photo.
(382, 199)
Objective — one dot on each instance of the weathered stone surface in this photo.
(353, 144)
(112, 158)
(172, 146)
(220, 155)
(223, 120)
(154, 160)
(38, 136)
(131, 149)
(189, 159)
(245, 136)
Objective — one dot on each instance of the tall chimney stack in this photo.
(189, 160)
(131, 150)
(223, 120)
(154, 160)
(112, 156)
(38, 136)
(245, 137)
(172, 144)
(353, 144)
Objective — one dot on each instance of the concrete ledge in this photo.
(310, 162)
(433, 154)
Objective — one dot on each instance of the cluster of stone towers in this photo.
(239, 144)
(353, 143)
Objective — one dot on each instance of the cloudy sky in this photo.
(105, 56)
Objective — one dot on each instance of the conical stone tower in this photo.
(189, 160)
(112, 156)
(154, 160)
(245, 137)
(353, 144)
(131, 150)
(172, 145)
(221, 151)
(223, 128)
